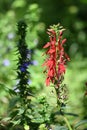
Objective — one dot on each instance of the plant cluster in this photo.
(31, 111)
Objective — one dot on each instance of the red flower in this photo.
(55, 63)
(47, 81)
(61, 69)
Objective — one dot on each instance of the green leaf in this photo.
(4, 121)
(26, 127)
(16, 122)
(60, 128)
(42, 127)
(21, 111)
(80, 123)
(4, 88)
(12, 92)
(39, 120)
(17, 3)
(71, 114)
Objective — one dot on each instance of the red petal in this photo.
(51, 31)
(61, 33)
(45, 63)
(47, 45)
(51, 73)
(62, 69)
(67, 57)
(50, 63)
(59, 46)
(47, 81)
(51, 51)
(63, 41)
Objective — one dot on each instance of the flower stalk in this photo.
(56, 57)
(23, 74)
(67, 122)
(55, 65)
(23, 62)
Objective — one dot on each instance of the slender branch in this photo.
(67, 122)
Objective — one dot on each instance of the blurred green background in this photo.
(39, 14)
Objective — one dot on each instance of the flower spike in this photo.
(56, 57)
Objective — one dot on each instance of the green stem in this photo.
(67, 122)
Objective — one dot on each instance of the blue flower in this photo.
(35, 62)
(23, 69)
(24, 66)
(6, 62)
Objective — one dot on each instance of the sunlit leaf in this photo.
(17, 3)
(6, 119)
(17, 122)
(26, 127)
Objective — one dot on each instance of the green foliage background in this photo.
(39, 14)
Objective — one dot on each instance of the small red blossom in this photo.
(47, 45)
(47, 81)
(61, 69)
(63, 41)
(55, 63)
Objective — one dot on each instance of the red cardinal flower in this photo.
(56, 56)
